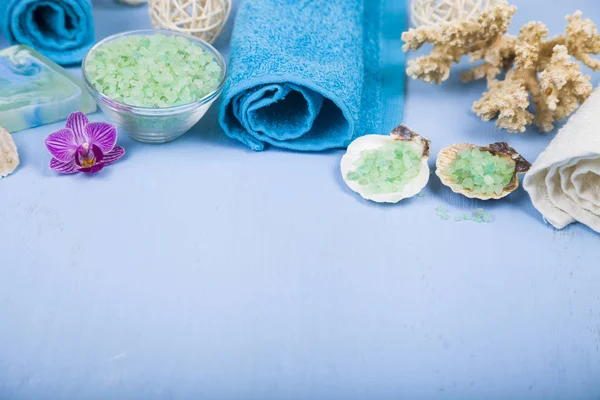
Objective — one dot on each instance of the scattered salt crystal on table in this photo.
(478, 215)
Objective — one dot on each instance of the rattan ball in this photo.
(201, 18)
(434, 12)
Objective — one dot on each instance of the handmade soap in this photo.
(153, 70)
(35, 91)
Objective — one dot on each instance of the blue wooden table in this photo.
(201, 270)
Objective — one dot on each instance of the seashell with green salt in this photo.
(9, 158)
(490, 172)
(387, 169)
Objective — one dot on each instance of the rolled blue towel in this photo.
(305, 74)
(62, 30)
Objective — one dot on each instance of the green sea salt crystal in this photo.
(353, 176)
(481, 171)
(442, 212)
(479, 212)
(479, 215)
(387, 169)
(153, 70)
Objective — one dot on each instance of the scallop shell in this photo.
(9, 158)
(369, 142)
(502, 149)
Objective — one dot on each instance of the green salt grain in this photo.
(353, 176)
(480, 171)
(479, 215)
(479, 212)
(441, 209)
(153, 70)
(388, 168)
(442, 212)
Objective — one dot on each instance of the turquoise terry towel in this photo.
(62, 30)
(305, 74)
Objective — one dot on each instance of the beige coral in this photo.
(506, 100)
(452, 41)
(536, 69)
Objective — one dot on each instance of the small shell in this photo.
(502, 149)
(369, 142)
(9, 158)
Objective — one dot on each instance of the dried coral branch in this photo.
(582, 40)
(486, 70)
(506, 100)
(452, 41)
(563, 84)
(537, 69)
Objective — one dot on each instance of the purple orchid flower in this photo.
(83, 146)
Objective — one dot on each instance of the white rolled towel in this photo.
(564, 181)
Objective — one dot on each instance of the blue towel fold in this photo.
(62, 30)
(305, 74)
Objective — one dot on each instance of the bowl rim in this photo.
(157, 110)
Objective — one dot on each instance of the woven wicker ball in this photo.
(202, 18)
(434, 12)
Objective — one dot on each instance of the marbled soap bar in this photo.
(35, 91)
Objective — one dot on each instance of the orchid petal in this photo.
(102, 135)
(113, 155)
(77, 122)
(88, 155)
(92, 169)
(63, 167)
(61, 144)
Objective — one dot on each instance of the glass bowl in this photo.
(156, 125)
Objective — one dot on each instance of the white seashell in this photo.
(370, 142)
(9, 158)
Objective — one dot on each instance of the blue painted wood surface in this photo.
(201, 270)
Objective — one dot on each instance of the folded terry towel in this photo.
(304, 74)
(62, 30)
(564, 182)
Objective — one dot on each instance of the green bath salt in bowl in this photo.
(155, 85)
